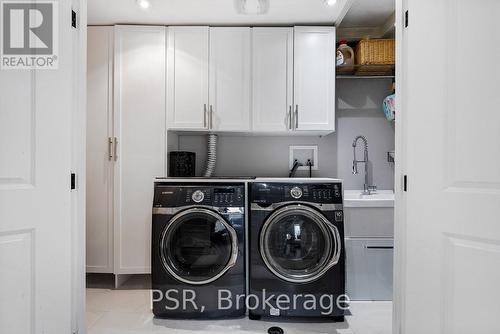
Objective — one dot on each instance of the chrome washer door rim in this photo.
(234, 245)
(328, 228)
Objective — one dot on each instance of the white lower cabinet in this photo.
(369, 242)
(121, 170)
(369, 268)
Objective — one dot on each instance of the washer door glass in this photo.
(198, 246)
(297, 244)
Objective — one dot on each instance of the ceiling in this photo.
(368, 13)
(211, 12)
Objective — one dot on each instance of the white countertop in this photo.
(380, 199)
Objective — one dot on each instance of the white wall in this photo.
(359, 111)
(259, 155)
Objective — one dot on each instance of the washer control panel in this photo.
(217, 195)
(227, 196)
(320, 193)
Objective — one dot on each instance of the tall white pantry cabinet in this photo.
(145, 80)
(126, 143)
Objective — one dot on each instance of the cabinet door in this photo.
(314, 78)
(230, 79)
(99, 219)
(140, 128)
(187, 77)
(369, 265)
(272, 67)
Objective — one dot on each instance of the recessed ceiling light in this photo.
(330, 2)
(252, 7)
(144, 4)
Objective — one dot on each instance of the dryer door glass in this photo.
(297, 244)
(198, 246)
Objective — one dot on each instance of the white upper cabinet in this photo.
(245, 79)
(314, 78)
(229, 92)
(187, 77)
(272, 69)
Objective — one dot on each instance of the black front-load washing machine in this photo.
(297, 265)
(198, 243)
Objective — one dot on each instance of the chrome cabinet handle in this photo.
(116, 149)
(296, 116)
(205, 115)
(290, 117)
(211, 118)
(110, 148)
(379, 247)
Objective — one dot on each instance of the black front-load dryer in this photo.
(297, 265)
(198, 242)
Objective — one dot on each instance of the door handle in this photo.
(211, 118)
(296, 116)
(110, 148)
(115, 154)
(205, 115)
(290, 117)
(379, 247)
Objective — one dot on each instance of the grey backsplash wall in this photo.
(359, 104)
(359, 112)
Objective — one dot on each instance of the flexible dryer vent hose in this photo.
(212, 155)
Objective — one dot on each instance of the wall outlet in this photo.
(302, 154)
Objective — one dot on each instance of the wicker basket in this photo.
(376, 51)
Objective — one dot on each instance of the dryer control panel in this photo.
(218, 195)
(321, 193)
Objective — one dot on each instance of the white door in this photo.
(272, 80)
(314, 78)
(139, 82)
(37, 109)
(187, 77)
(100, 150)
(229, 91)
(448, 242)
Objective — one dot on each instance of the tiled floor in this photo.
(128, 312)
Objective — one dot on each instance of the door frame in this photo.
(79, 155)
(399, 291)
(78, 163)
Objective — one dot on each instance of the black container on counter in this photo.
(182, 164)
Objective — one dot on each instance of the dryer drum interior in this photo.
(298, 243)
(198, 246)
